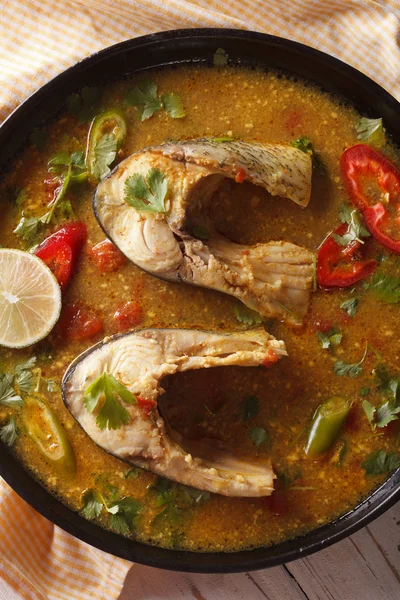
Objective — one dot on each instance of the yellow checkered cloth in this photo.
(38, 40)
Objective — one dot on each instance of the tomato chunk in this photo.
(241, 175)
(145, 405)
(106, 257)
(127, 316)
(341, 266)
(61, 250)
(79, 322)
(270, 359)
(373, 183)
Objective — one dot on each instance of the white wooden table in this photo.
(365, 566)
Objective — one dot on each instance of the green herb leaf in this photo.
(8, 396)
(200, 232)
(246, 315)
(173, 105)
(381, 462)
(364, 391)
(166, 491)
(119, 524)
(103, 396)
(195, 496)
(258, 436)
(25, 381)
(305, 145)
(147, 194)
(105, 152)
(386, 287)
(220, 58)
(343, 369)
(350, 306)
(28, 229)
(144, 97)
(9, 432)
(52, 386)
(132, 473)
(251, 406)
(387, 384)
(330, 339)
(371, 131)
(38, 138)
(92, 504)
(356, 227)
(85, 105)
(287, 479)
(123, 514)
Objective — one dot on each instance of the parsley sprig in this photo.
(350, 369)
(330, 339)
(304, 144)
(380, 462)
(246, 315)
(147, 193)
(350, 306)
(123, 512)
(9, 432)
(103, 397)
(386, 287)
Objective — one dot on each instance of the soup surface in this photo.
(254, 412)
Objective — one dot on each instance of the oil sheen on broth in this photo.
(253, 106)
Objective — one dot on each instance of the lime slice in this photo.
(30, 299)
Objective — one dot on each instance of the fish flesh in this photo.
(139, 360)
(273, 278)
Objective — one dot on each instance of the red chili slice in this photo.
(107, 257)
(79, 322)
(61, 251)
(381, 216)
(338, 266)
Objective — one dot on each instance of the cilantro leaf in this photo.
(350, 306)
(364, 391)
(165, 490)
(25, 381)
(371, 131)
(102, 396)
(388, 384)
(258, 436)
(105, 152)
(251, 406)
(356, 227)
(330, 339)
(194, 495)
(246, 315)
(144, 97)
(9, 432)
(8, 396)
(369, 410)
(123, 514)
(93, 504)
(380, 462)
(132, 473)
(86, 104)
(173, 105)
(351, 370)
(72, 164)
(38, 138)
(386, 287)
(28, 229)
(304, 144)
(220, 58)
(147, 194)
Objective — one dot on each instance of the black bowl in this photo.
(172, 48)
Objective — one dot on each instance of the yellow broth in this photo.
(253, 106)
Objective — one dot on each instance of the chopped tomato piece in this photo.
(61, 251)
(341, 266)
(270, 359)
(127, 316)
(79, 322)
(145, 405)
(106, 257)
(373, 183)
(241, 175)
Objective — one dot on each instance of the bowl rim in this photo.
(48, 506)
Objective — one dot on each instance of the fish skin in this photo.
(139, 360)
(161, 244)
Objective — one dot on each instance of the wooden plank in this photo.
(363, 567)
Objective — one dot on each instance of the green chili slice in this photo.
(326, 424)
(45, 430)
(110, 122)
